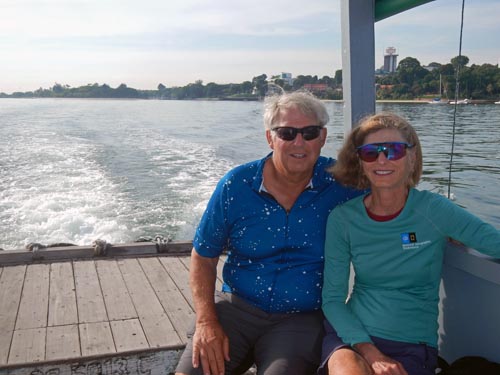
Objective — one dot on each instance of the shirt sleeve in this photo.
(461, 225)
(336, 282)
(212, 233)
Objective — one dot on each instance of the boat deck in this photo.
(61, 314)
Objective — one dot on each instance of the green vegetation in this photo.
(410, 81)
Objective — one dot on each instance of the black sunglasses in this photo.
(288, 133)
(392, 151)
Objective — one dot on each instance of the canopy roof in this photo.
(387, 8)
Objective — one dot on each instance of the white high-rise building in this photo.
(390, 60)
(287, 77)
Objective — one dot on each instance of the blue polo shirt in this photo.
(274, 257)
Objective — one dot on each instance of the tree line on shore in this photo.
(411, 80)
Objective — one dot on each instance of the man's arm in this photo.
(210, 343)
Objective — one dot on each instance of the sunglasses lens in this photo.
(311, 132)
(368, 153)
(395, 151)
(392, 151)
(288, 133)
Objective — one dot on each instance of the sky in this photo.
(177, 42)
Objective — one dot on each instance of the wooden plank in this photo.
(58, 254)
(145, 248)
(157, 327)
(28, 345)
(178, 309)
(180, 275)
(62, 298)
(116, 298)
(128, 335)
(161, 362)
(62, 342)
(53, 254)
(33, 308)
(11, 285)
(96, 338)
(89, 297)
(14, 257)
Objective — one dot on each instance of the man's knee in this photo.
(347, 362)
(284, 366)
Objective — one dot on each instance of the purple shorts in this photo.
(417, 359)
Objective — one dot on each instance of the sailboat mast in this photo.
(440, 87)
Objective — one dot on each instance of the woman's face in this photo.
(384, 173)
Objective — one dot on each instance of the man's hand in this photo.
(210, 347)
(379, 363)
(210, 343)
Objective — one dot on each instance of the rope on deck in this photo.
(100, 247)
(160, 241)
(36, 246)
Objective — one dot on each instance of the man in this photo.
(270, 216)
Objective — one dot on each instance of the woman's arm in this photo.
(336, 282)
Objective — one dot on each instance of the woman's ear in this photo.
(412, 159)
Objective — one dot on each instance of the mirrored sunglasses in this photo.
(288, 133)
(391, 150)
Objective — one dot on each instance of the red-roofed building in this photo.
(316, 87)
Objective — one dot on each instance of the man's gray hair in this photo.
(304, 101)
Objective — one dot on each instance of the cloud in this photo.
(142, 43)
(113, 17)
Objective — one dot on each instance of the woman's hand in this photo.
(379, 362)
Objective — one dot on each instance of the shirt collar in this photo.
(262, 188)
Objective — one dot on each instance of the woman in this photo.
(394, 236)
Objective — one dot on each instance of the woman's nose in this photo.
(381, 158)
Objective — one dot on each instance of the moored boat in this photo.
(463, 101)
(438, 101)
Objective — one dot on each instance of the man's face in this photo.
(298, 156)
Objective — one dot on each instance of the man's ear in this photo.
(269, 138)
(324, 133)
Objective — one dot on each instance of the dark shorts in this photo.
(417, 359)
(279, 344)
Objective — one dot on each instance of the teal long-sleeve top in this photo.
(397, 265)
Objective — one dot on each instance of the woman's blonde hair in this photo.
(348, 170)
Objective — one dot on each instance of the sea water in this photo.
(77, 170)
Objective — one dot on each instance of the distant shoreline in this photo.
(394, 101)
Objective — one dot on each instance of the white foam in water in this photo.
(58, 194)
(63, 190)
(188, 173)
